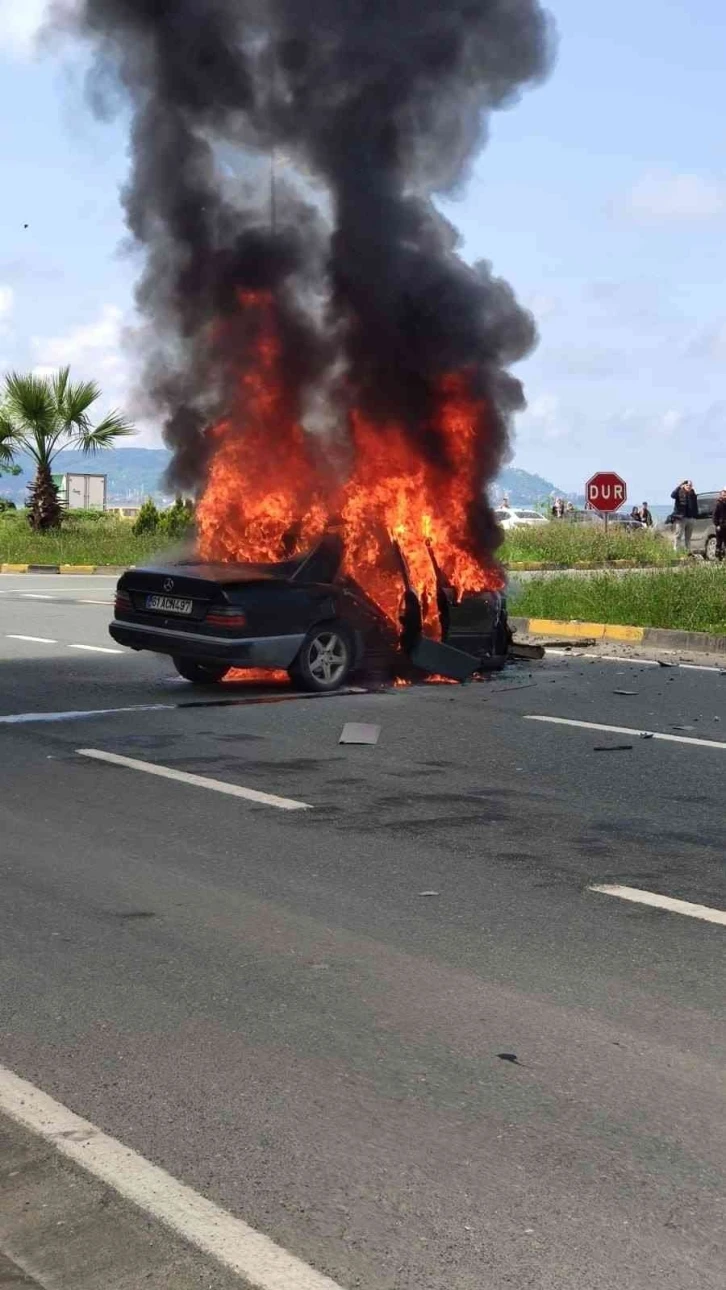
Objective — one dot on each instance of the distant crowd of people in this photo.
(561, 509)
(685, 513)
(642, 514)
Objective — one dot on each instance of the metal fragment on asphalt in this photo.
(359, 732)
(429, 893)
(614, 748)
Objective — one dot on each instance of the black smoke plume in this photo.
(380, 104)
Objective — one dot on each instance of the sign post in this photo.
(606, 492)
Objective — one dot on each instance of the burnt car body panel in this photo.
(270, 609)
(259, 615)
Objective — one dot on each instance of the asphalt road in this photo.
(272, 1006)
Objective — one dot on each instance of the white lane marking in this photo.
(27, 718)
(35, 640)
(198, 781)
(628, 730)
(652, 898)
(34, 595)
(107, 603)
(634, 662)
(98, 649)
(199, 1221)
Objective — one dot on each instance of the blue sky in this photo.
(601, 197)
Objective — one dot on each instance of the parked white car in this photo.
(513, 517)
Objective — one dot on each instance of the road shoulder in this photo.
(61, 1229)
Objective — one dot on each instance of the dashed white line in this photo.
(197, 781)
(199, 1221)
(98, 649)
(27, 718)
(35, 595)
(628, 730)
(108, 603)
(656, 901)
(34, 640)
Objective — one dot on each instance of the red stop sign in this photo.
(606, 491)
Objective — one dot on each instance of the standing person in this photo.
(719, 520)
(685, 511)
(646, 515)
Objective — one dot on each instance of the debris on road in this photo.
(572, 642)
(429, 893)
(613, 748)
(509, 1057)
(646, 734)
(626, 692)
(521, 649)
(359, 732)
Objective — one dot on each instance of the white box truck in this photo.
(82, 492)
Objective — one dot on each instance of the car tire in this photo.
(709, 550)
(200, 673)
(325, 660)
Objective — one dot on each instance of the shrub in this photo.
(178, 521)
(82, 515)
(147, 520)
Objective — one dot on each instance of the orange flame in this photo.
(267, 495)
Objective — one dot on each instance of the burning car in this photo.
(305, 615)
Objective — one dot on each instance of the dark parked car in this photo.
(703, 538)
(302, 615)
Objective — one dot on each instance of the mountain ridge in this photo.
(136, 473)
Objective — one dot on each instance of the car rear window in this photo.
(707, 505)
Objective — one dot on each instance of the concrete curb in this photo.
(108, 570)
(658, 637)
(549, 566)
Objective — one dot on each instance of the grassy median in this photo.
(562, 543)
(106, 540)
(692, 599)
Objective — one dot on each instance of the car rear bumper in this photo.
(243, 651)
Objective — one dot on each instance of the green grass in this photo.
(85, 541)
(560, 543)
(692, 599)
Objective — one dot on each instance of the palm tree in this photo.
(42, 415)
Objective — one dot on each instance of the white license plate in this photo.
(169, 604)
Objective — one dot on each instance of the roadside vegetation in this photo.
(90, 539)
(694, 599)
(561, 543)
(42, 415)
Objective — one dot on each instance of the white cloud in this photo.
(96, 351)
(542, 306)
(710, 343)
(96, 345)
(546, 413)
(20, 23)
(660, 195)
(7, 300)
